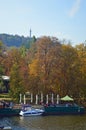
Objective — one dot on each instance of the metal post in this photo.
(47, 99)
(57, 99)
(20, 100)
(36, 99)
(24, 99)
(31, 98)
(41, 97)
(52, 98)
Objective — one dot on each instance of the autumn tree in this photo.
(44, 62)
(47, 66)
(12, 56)
(69, 70)
(2, 47)
(17, 68)
(81, 50)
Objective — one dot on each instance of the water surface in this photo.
(45, 122)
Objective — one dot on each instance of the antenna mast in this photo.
(30, 32)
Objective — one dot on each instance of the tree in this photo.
(2, 86)
(16, 86)
(69, 70)
(81, 50)
(13, 56)
(1, 48)
(44, 62)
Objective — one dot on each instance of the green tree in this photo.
(2, 86)
(23, 51)
(1, 48)
(16, 86)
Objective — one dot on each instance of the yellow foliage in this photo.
(33, 68)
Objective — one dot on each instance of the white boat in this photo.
(27, 110)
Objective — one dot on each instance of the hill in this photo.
(14, 40)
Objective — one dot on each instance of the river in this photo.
(45, 122)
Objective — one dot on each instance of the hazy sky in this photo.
(64, 19)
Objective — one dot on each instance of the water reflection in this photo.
(46, 123)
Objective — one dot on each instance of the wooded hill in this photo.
(15, 40)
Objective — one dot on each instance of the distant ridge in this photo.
(14, 40)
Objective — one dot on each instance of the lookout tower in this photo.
(30, 32)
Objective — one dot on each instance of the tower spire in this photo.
(30, 32)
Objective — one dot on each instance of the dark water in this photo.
(45, 123)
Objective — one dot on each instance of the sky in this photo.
(64, 19)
